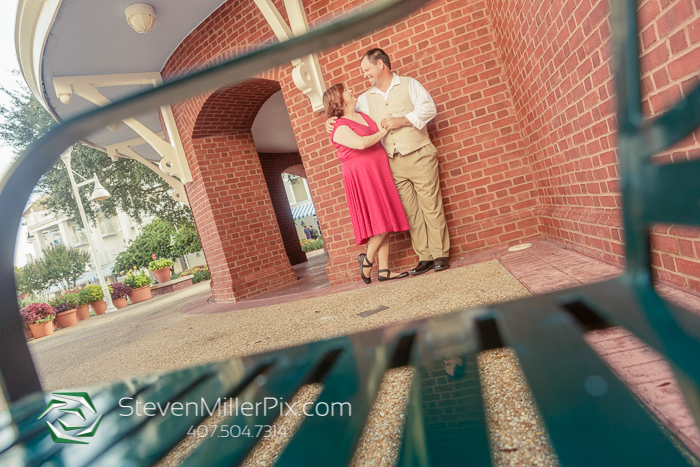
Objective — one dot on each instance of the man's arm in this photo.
(423, 105)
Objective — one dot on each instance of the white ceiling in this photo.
(92, 37)
(272, 129)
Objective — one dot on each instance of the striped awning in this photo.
(302, 211)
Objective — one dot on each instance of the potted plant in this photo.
(161, 269)
(140, 287)
(83, 310)
(39, 317)
(65, 308)
(95, 298)
(119, 292)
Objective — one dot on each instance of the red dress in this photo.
(375, 206)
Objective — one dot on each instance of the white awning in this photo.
(302, 211)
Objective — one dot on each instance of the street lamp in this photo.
(98, 194)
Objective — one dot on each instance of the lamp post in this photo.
(98, 194)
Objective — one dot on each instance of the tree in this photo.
(134, 188)
(59, 266)
(160, 238)
(31, 279)
(186, 241)
(63, 265)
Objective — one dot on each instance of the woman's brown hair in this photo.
(333, 100)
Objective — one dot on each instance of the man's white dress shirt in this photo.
(424, 107)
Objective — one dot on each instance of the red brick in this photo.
(688, 267)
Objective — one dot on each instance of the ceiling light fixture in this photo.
(141, 17)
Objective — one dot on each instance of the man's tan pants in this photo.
(417, 180)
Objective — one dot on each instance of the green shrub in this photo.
(160, 264)
(311, 245)
(94, 293)
(84, 297)
(200, 276)
(200, 273)
(193, 269)
(137, 280)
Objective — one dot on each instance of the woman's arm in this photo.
(346, 137)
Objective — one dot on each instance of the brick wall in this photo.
(525, 124)
(487, 183)
(557, 59)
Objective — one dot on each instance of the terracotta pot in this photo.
(99, 307)
(83, 312)
(141, 294)
(162, 275)
(119, 302)
(41, 329)
(27, 333)
(67, 318)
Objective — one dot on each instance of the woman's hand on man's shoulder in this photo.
(330, 124)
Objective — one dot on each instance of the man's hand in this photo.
(392, 123)
(329, 124)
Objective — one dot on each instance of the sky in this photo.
(8, 63)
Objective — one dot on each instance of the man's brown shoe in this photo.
(423, 266)
(442, 264)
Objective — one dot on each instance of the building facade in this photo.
(111, 235)
(525, 129)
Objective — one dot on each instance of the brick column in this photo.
(236, 220)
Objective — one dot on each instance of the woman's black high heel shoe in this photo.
(388, 277)
(361, 259)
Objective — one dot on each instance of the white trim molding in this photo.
(307, 73)
(32, 25)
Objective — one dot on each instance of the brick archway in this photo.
(233, 109)
(234, 208)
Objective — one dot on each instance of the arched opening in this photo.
(243, 142)
(231, 202)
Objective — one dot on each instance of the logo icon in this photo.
(60, 401)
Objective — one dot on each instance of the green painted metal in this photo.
(591, 417)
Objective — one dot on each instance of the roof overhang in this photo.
(64, 41)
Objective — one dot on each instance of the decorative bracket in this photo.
(125, 149)
(173, 161)
(307, 73)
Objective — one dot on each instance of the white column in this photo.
(125, 224)
(63, 228)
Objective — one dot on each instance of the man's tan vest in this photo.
(403, 140)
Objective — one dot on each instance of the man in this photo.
(403, 106)
(307, 232)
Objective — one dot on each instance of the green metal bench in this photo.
(546, 332)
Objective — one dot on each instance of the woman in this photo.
(375, 206)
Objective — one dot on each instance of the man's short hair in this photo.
(377, 54)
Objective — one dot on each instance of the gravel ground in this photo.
(516, 432)
(154, 337)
